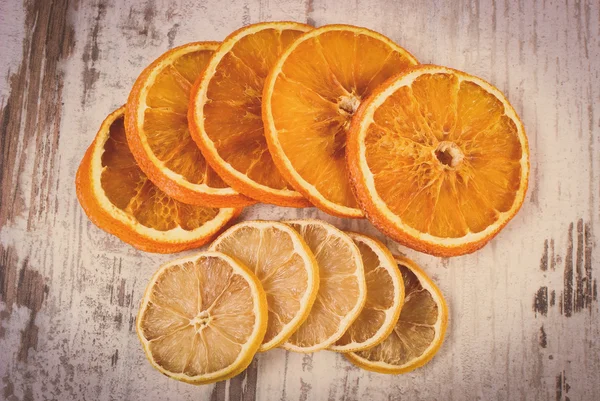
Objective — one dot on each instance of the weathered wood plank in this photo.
(524, 310)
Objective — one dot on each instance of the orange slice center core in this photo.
(348, 104)
(449, 155)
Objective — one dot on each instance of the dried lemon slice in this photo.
(419, 332)
(202, 318)
(385, 297)
(285, 266)
(342, 286)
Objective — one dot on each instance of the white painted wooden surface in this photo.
(524, 310)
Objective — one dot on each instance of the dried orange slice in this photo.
(385, 297)
(419, 332)
(342, 286)
(285, 266)
(225, 112)
(439, 160)
(158, 134)
(309, 98)
(120, 199)
(202, 318)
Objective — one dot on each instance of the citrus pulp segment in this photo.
(158, 133)
(419, 331)
(225, 112)
(309, 98)
(286, 267)
(439, 160)
(385, 297)
(202, 318)
(119, 198)
(342, 286)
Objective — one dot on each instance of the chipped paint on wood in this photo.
(524, 309)
(578, 283)
(543, 337)
(540, 304)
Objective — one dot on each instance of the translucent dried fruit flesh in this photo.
(280, 261)
(232, 112)
(165, 125)
(320, 86)
(444, 155)
(130, 190)
(198, 317)
(384, 297)
(414, 332)
(341, 287)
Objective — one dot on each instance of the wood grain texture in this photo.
(524, 321)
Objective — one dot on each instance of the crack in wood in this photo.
(91, 53)
(30, 128)
(29, 291)
(310, 8)
(243, 386)
(218, 393)
(562, 387)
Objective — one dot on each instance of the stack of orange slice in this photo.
(310, 97)
(339, 117)
(158, 133)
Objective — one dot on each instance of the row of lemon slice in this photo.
(302, 285)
